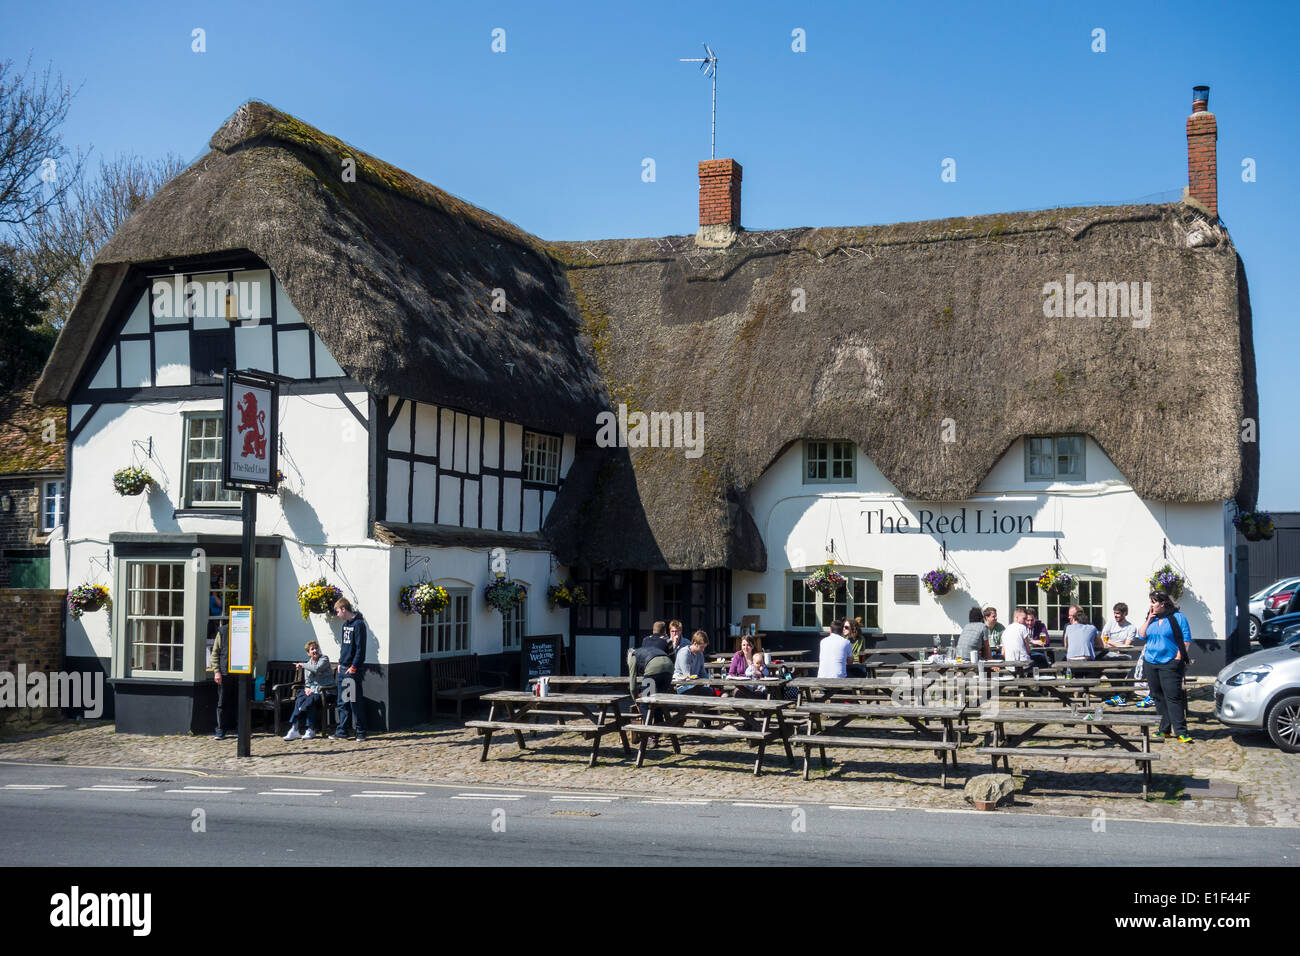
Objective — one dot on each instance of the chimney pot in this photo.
(1202, 152)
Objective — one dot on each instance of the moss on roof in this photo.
(27, 441)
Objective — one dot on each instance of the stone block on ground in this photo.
(990, 788)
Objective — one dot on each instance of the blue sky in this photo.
(551, 133)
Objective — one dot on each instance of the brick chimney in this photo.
(719, 202)
(1202, 153)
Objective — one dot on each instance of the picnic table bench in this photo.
(757, 722)
(769, 685)
(592, 716)
(460, 679)
(1003, 744)
(943, 742)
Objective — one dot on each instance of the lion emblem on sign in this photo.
(252, 425)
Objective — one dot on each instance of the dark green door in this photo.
(29, 572)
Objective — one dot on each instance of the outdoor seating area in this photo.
(987, 709)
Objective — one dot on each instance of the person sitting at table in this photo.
(675, 642)
(690, 663)
(744, 659)
(835, 651)
(317, 675)
(1082, 642)
(1015, 641)
(973, 641)
(857, 648)
(995, 630)
(654, 661)
(756, 668)
(1119, 631)
(1038, 634)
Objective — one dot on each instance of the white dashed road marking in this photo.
(34, 786)
(770, 806)
(285, 792)
(878, 809)
(105, 788)
(582, 798)
(489, 796)
(391, 794)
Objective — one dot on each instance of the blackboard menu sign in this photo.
(543, 656)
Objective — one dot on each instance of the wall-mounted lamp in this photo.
(6, 503)
(617, 580)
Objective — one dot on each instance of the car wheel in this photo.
(1254, 628)
(1283, 723)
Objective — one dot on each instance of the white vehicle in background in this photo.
(1261, 691)
(1259, 601)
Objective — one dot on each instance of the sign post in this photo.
(250, 451)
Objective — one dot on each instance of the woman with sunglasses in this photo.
(1168, 637)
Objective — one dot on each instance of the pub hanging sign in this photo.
(250, 426)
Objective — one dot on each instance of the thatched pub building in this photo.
(685, 426)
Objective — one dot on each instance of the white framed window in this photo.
(829, 461)
(155, 618)
(1054, 458)
(512, 626)
(447, 632)
(52, 498)
(858, 597)
(1053, 609)
(541, 458)
(223, 593)
(203, 463)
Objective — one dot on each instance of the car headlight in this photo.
(1252, 676)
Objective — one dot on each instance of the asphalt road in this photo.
(74, 816)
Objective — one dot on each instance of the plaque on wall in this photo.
(907, 589)
(757, 602)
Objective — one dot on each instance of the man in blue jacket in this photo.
(352, 665)
(1168, 637)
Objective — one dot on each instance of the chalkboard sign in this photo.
(543, 655)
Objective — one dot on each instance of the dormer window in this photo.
(1054, 458)
(829, 461)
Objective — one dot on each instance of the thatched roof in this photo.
(24, 428)
(394, 275)
(905, 326)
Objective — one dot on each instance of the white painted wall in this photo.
(1100, 523)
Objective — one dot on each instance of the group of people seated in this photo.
(1027, 639)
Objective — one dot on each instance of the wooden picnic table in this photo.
(593, 716)
(1065, 691)
(1003, 744)
(943, 742)
(584, 681)
(745, 719)
(767, 684)
(907, 653)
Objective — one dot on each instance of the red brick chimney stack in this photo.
(1202, 152)
(720, 193)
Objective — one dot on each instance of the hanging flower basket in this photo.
(565, 594)
(131, 481)
(504, 595)
(88, 598)
(1254, 525)
(317, 598)
(280, 487)
(1168, 580)
(939, 581)
(1057, 581)
(422, 598)
(825, 580)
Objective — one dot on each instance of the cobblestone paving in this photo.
(445, 752)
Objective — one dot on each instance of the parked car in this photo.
(1271, 632)
(1261, 691)
(1259, 602)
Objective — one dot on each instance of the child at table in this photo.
(756, 667)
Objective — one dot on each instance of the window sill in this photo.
(213, 512)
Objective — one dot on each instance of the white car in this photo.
(1260, 598)
(1261, 691)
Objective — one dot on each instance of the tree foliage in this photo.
(25, 338)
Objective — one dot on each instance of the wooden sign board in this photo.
(542, 656)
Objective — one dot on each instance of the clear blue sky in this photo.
(551, 133)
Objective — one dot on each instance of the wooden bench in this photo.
(591, 715)
(1143, 760)
(843, 714)
(283, 682)
(760, 722)
(1004, 744)
(460, 679)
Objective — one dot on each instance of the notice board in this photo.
(543, 656)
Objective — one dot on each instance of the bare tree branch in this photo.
(36, 169)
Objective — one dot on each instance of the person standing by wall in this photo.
(227, 685)
(352, 665)
(1168, 637)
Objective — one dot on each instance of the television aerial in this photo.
(709, 66)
